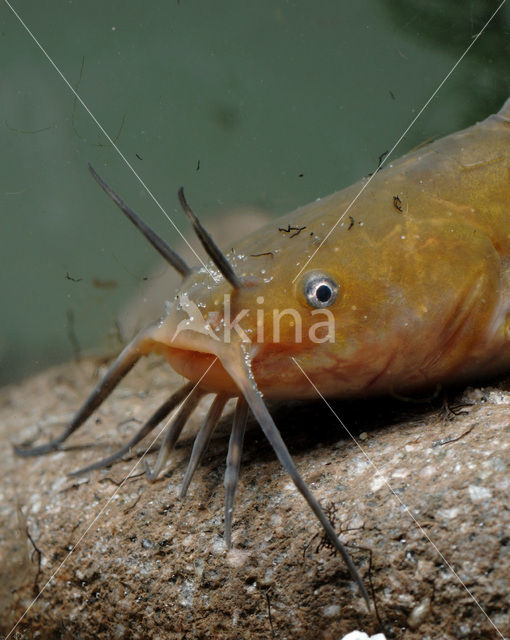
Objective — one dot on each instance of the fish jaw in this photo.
(200, 358)
(203, 368)
(192, 350)
(196, 350)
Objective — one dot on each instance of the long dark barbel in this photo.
(202, 439)
(128, 357)
(158, 416)
(231, 478)
(120, 367)
(213, 251)
(174, 431)
(158, 243)
(239, 369)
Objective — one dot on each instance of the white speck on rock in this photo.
(331, 611)
(361, 635)
(356, 522)
(499, 397)
(268, 577)
(275, 519)
(359, 465)
(503, 484)
(186, 593)
(237, 557)
(377, 482)
(188, 541)
(448, 514)
(35, 503)
(478, 494)
(419, 613)
(218, 545)
(428, 471)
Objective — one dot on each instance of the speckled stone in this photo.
(132, 560)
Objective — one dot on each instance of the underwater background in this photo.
(266, 104)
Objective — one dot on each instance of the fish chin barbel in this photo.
(235, 361)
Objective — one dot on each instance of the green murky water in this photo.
(275, 103)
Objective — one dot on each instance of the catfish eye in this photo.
(320, 289)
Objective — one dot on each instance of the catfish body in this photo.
(422, 265)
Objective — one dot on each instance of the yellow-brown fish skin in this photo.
(422, 264)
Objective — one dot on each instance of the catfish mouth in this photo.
(204, 367)
(194, 351)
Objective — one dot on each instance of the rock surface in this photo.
(129, 559)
